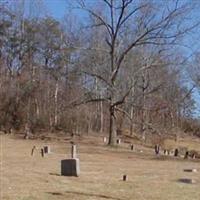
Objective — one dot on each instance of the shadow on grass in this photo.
(54, 174)
(93, 195)
(55, 193)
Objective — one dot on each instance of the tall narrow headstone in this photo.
(157, 149)
(42, 152)
(132, 147)
(73, 151)
(176, 152)
(193, 156)
(32, 151)
(186, 155)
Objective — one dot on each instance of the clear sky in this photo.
(57, 8)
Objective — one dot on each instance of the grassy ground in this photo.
(149, 178)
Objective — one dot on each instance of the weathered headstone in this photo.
(124, 177)
(47, 149)
(187, 180)
(104, 139)
(27, 131)
(186, 155)
(190, 170)
(157, 149)
(176, 152)
(165, 152)
(193, 156)
(132, 147)
(70, 167)
(73, 151)
(42, 152)
(118, 141)
(32, 151)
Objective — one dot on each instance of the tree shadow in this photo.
(55, 193)
(54, 174)
(92, 195)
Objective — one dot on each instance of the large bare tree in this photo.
(129, 25)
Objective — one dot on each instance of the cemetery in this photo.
(86, 168)
(99, 100)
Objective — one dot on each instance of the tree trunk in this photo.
(112, 128)
(56, 105)
(131, 125)
(102, 117)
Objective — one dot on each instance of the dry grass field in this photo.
(26, 177)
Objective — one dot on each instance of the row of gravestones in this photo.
(176, 152)
(118, 141)
(69, 167)
(43, 151)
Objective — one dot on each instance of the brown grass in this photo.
(35, 178)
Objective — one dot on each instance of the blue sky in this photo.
(57, 8)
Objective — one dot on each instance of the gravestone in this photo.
(42, 152)
(165, 152)
(187, 180)
(157, 149)
(190, 170)
(47, 149)
(124, 177)
(32, 151)
(73, 151)
(176, 152)
(27, 131)
(70, 167)
(104, 139)
(118, 141)
(132, 147)
(193, 156)
(186, 155)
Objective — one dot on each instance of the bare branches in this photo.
(99, 77)
(123, 98)
(97, 16)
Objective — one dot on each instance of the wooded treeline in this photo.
(121, 69)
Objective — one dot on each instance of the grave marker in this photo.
(118, 141)
(47, 149)
(124, 177)
(42, 152)
(73, 151)
(176, 152)
(71, 167)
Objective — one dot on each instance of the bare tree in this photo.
(128, 25)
